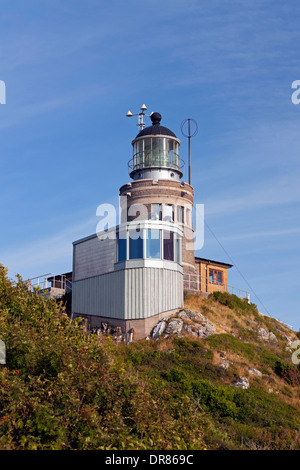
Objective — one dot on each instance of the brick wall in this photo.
(177, 193)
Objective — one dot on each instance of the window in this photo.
(121, 247)
(135, 244)
(171, 149)
(138, 154)
(176, 154)
(153, 244)
(215, 276)
(157, 151)
(180, 214)
(168, 245)
(169, 212)
(178, 250)
(156, 212)
(147, 152)
(188, 217)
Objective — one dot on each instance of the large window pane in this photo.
(169, 212)
(171, 152)
(135, 245)
(148, 159)
(176, 155)
(121, 247)
(180, 214)
(157, 151)
(168, 245)
(139, 153)
(153, 244)
(178, 250)
(156, 212)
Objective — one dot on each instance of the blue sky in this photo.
(72, 70)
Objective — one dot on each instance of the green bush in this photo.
(291, 374)
(63, 388)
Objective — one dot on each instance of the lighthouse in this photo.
(131, 276)
(157, 191)
(134, 274)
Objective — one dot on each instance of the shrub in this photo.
(234, 302)
(289, 373)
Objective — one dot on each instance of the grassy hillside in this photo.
(64, 388)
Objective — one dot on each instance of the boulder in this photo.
(253, 371)
(263, 334)
(272, 337)
(266, 335)
(191, 315)
(206, 329)
(186, 321)
(225, 364)
(189, 329)
(242, 382)
(158, 329)
(174, 326)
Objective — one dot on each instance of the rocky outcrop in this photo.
(174, 327)
(158, 329)
(206, 329)
(266, 335)
(191, 315)
(263, 334)
(242, 382)
(185, 321)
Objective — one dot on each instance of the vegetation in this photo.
(65, 388)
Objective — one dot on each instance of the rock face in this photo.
(266, 335)
(272, 337)
(206, 329)
(158, 329)
(186, 321)
(263, 334)
(191, 315)
(242, 382)
(174, 326)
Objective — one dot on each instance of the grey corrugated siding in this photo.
(129, 294)
(149, 291)
(100, 295)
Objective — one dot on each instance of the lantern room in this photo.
(156, 153)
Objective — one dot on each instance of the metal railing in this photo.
(49, 281)
(197, 283)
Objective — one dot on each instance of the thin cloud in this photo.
(21, 114)
(41, 255)
(262, 234)
(255, 198)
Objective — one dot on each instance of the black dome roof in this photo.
(156, 128)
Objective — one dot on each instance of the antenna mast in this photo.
(189, 135)
(140, 115)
